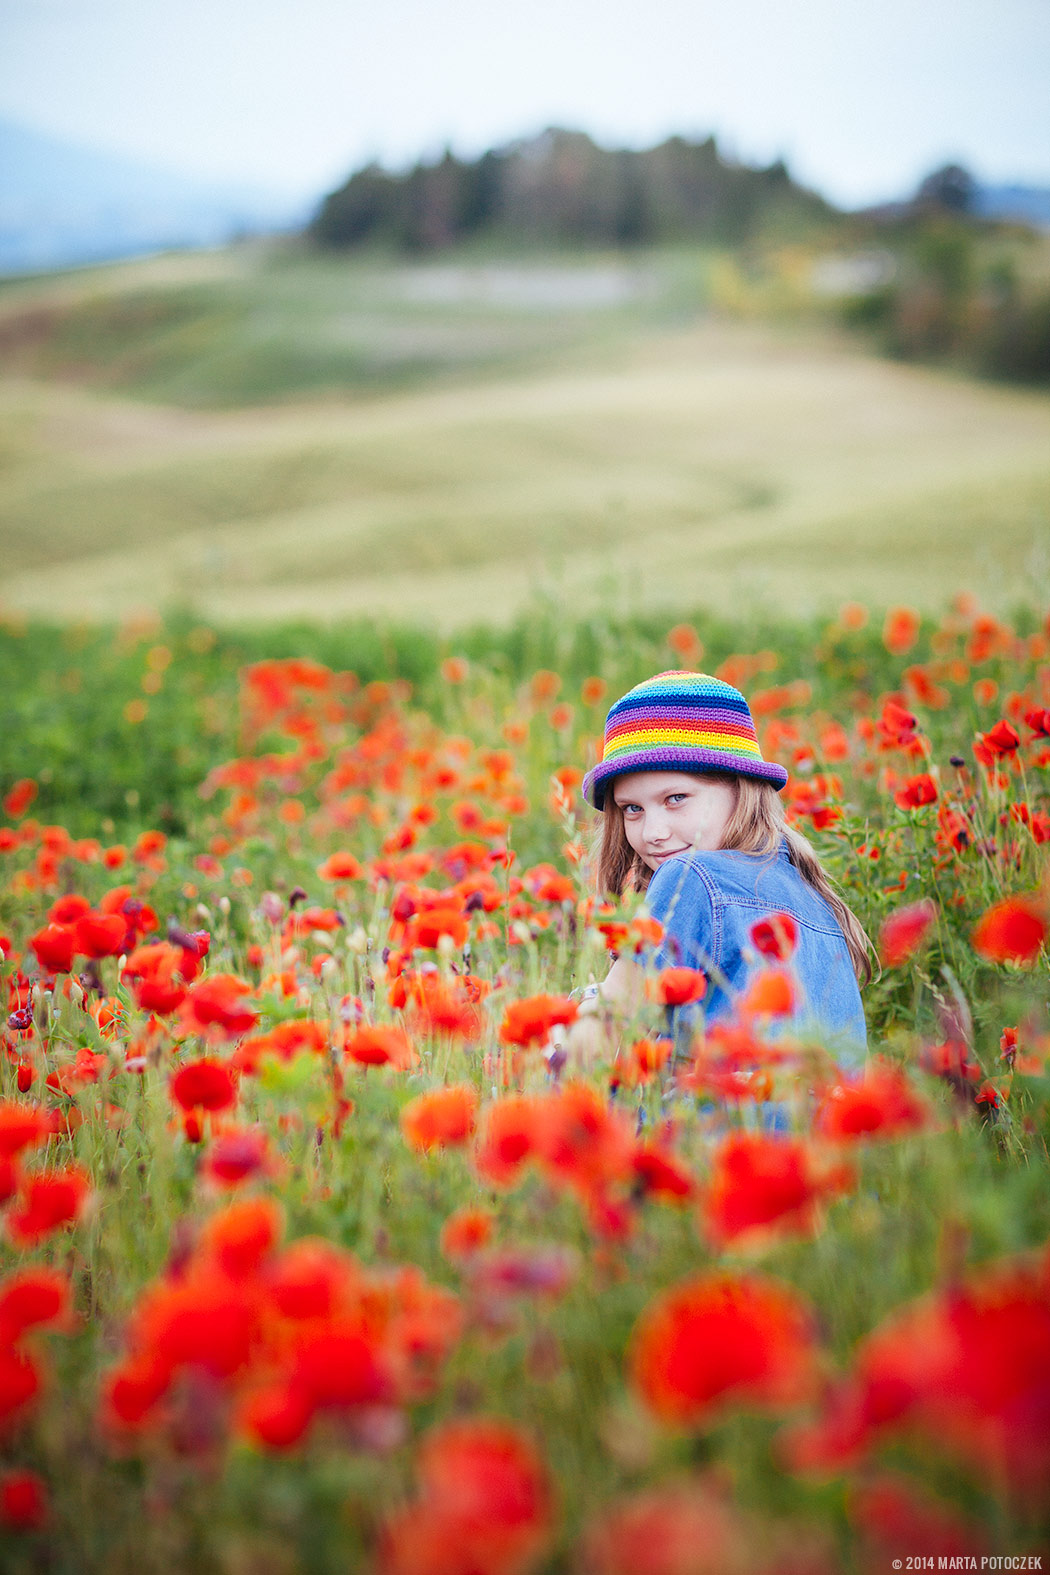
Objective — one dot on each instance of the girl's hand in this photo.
(589, 1041)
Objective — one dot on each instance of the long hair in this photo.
(756, 825)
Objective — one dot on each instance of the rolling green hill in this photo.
(263, 436)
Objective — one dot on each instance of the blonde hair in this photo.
(757, 825)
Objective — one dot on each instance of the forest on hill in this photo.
(562, 188)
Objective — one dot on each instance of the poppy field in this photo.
(322, 1248)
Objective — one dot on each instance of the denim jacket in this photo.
(707, 903)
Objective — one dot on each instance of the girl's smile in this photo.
(669, 812)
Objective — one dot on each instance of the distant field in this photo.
(262, 439)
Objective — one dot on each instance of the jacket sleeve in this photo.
(680, 898)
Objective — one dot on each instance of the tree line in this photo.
(561, 187)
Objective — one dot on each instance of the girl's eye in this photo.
(676, 798)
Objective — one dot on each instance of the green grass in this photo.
(263, 435)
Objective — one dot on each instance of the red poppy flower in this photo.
(276, 1416)
(880, 1104)
(901, 630)
(904, 931)
(426, 929)
(529, 1022)
(510, 1138)
(237, 1154)
(159, 974)
(759, 1181)
(67, 910)
(441, 1118)
(22, 1126)
(681, 1528)
(31, 1297)
(47, 1200)
(679, 986)
(465, 1232)
(19, 797)
(771, 993)
(1014, 930)
(717, 1340)
(340, 867)
(23, 1501)
(1002, 739)
(217, 1005)
(378, 1044)
(776, 936)
(336, 1366)
(20, 1383)
(916, 792)
(204, 1085)
(243, 1235)
(55, 946)
(583, 1140)
(485, 1504)
(100, 934)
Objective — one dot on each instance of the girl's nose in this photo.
(657, 827)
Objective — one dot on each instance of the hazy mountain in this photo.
(62, 204)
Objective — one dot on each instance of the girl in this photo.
(692, 816)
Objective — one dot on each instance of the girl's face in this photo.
(668, 812)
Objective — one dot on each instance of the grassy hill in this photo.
(259, 435)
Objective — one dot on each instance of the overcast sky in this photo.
(861, 97)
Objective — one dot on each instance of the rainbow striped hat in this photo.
(679, 722)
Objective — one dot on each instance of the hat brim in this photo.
(699, 760)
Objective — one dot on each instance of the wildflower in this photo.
(678, 986)
(1013, 930)
(21, 1127)
(204, 1084)
(217, 1005)
(771, 993)
(237, 1154)
(643, 1060)
(441, 1118)
(968, 1369)
(759, 1182)
(55, 946)
(159, 974)
(776, 936)
(243, 1235)
(678, 1528)
(466, 1232)
(657, 1174)
(340, 867)
(583, 1141)
(30, 1298)
(20, 1383)
(718, 1340)
(100, 934)
(510, 1138)
(904, 930)
(530, 1021)
(916, 792)
(1002, 739)
(428, 929)
(23, 1500)
(46, 1201)
(900, 631)
(881, 1104)
(378, 1045)
(483, 1492)
(19, 797)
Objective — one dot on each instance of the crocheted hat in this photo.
(679, 722)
